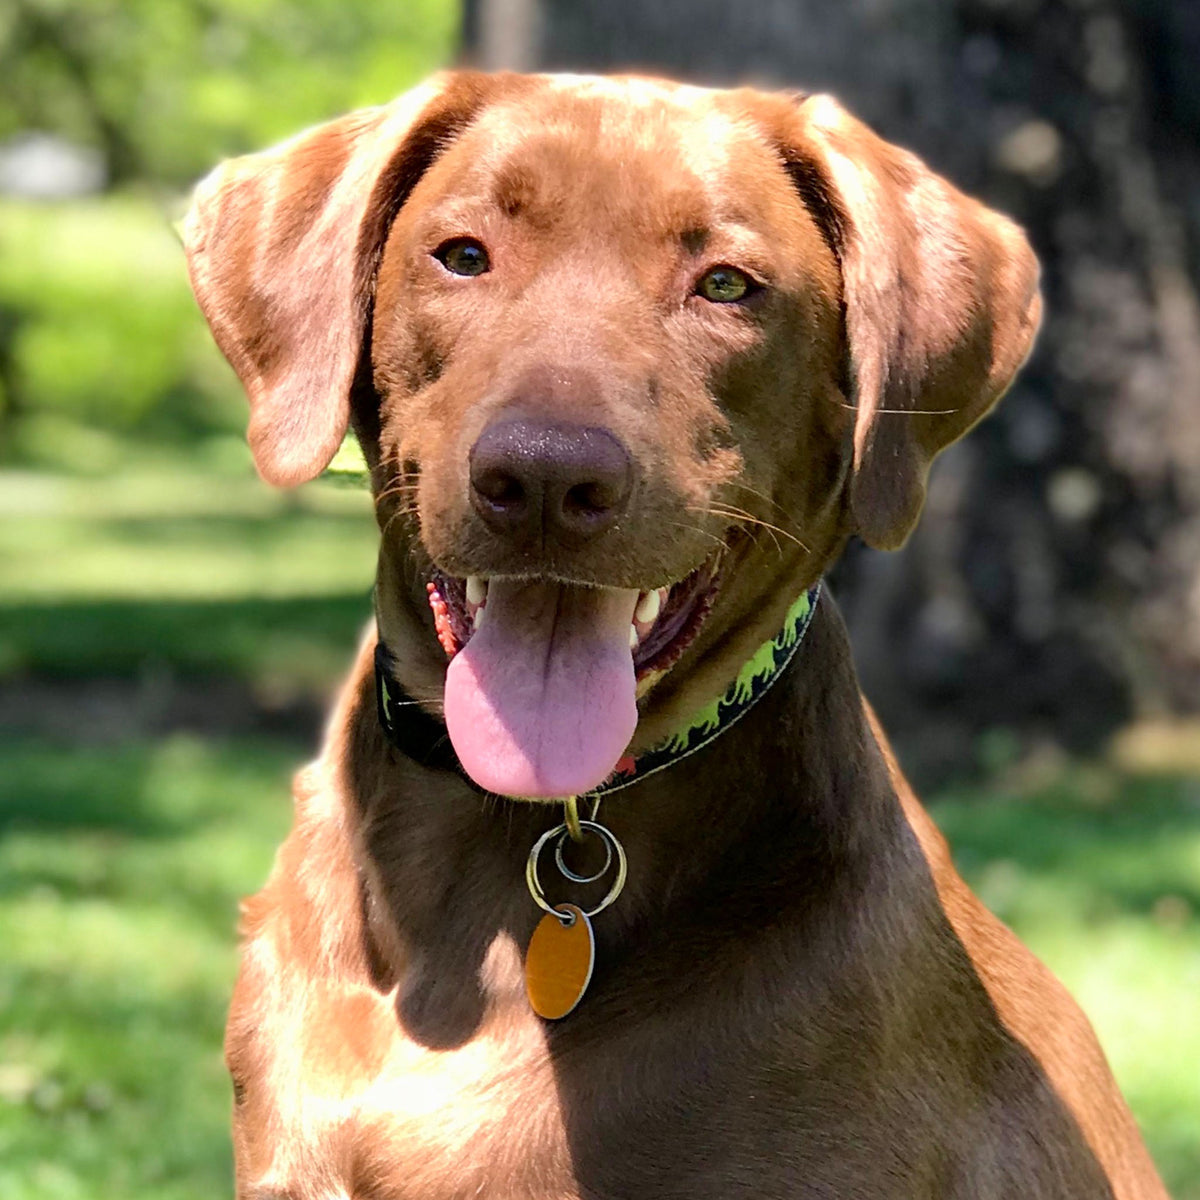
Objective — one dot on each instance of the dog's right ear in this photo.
(282, 250)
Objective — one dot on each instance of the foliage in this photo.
(164, 88)
(104, 329)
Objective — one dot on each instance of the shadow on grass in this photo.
(58, 789)
(167, 788)
(181, 825)
(303, 641)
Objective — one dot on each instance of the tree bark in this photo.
(1053, 587)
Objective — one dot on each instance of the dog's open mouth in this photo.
(541, 692)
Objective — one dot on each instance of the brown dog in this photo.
(629, 362)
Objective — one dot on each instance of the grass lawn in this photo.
(120, 868)
(195, 573)
(121, 860)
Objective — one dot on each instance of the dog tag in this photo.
(558, 963)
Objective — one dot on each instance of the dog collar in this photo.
(424, 738)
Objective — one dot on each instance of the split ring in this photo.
(571, 875)
(612, 846)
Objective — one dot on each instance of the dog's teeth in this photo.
(633, 637)
(476, 589)
(477, 620)
(648, 608)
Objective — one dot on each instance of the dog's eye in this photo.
(463, 256)
(724, 285)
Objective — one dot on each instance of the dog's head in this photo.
(628, 360)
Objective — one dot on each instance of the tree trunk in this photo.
(1053, 587)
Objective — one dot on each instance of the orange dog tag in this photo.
(558, 963)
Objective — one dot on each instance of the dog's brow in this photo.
(518, 190)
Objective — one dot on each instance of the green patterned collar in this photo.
(757, 675)
(422, 737)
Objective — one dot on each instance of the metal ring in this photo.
(571, 875)
(531, 867)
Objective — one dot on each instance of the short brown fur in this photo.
(796, 994)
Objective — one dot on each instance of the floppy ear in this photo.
(282, 250)
(941, 306)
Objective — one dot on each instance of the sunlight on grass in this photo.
(183, 571)
(120, 871)
(179, 535)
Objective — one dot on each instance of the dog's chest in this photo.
(372, 1115)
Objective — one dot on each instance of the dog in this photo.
(628, 361)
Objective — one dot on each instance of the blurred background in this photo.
(171, 630)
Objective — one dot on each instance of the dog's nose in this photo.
(532, 476)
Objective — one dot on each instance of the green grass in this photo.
(121, 863)
(181, 536)
(190, 572)
(120, 869)
(1106, 890)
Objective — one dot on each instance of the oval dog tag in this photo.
(558, 963)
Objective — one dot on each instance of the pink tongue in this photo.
(542, 700)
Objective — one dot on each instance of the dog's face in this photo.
(629, 362)
(611, 259)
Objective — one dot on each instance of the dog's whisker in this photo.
(403, 511)
(763, 496)
(405, 508)
(696, 529)
(396, 476)
(742, 525)
(401, 488)
(745, 522)
(743, 519)
(909, 412)
(728, 510)
(750, 516)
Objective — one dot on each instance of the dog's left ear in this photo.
(282, 250)
(941, 305)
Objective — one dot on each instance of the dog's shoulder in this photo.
(1031, 1004)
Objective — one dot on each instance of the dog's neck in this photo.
(784, 814)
